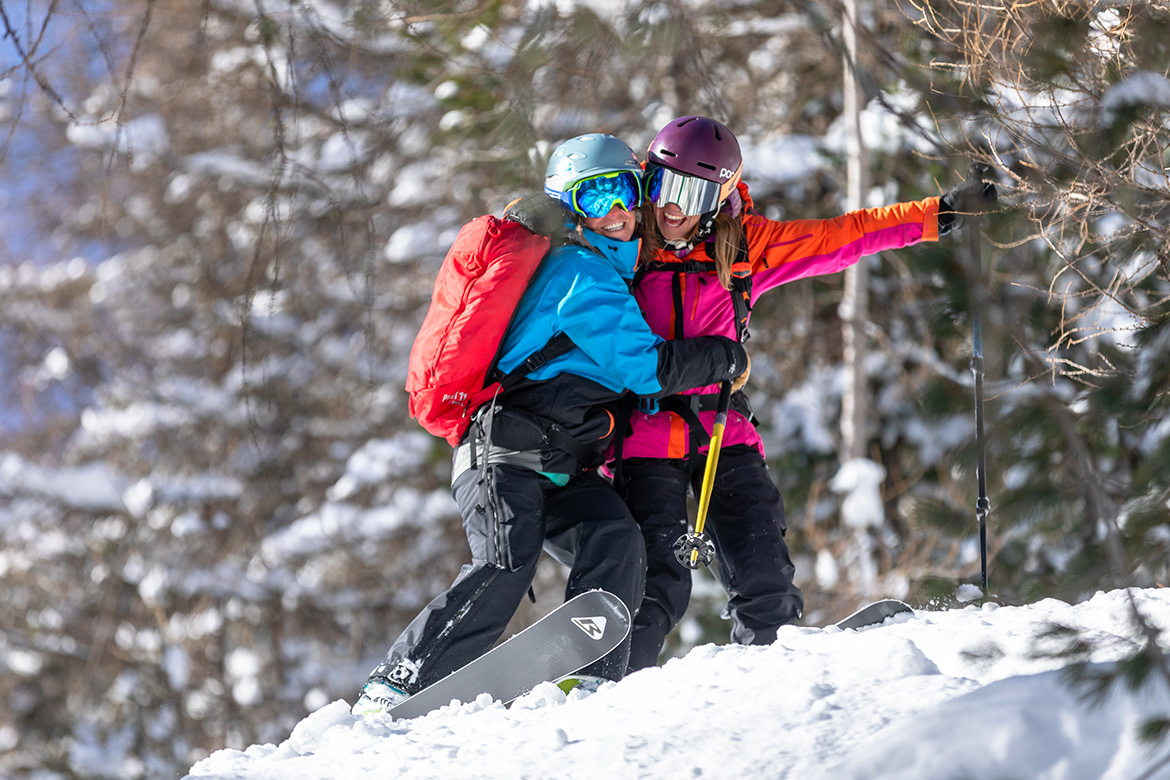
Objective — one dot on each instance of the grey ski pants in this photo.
(509, 517)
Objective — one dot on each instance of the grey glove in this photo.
(539, 213)
(970, 197)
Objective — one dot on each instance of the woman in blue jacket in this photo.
(525, 474)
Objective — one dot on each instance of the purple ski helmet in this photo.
(698, 146)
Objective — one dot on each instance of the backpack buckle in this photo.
(534, 361)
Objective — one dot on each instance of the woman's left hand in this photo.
(742, 379)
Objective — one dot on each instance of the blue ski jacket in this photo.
(586, 295)
(584, 292)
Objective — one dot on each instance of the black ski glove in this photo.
(967, 198)
(697, 362)
(539, 213)
(737, 359)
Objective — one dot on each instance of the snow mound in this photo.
(965, 693)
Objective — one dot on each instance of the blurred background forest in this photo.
(219, 226)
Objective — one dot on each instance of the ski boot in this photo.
(586, 683)
(378, 696)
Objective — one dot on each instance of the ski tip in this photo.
(875, 614)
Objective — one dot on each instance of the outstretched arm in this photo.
(782, 252)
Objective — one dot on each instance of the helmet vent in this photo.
(667, 153)
(708, 166)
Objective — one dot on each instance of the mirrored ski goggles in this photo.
(595, 196)
(690, 193)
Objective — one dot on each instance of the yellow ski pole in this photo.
(694, 548)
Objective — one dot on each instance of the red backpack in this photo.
(452, 367)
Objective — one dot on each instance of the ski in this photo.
(874, 614)
(571, 637)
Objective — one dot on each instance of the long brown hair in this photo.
(726, 234)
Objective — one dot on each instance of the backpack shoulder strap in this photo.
(741, 291)
(741, 284)
(555, 347)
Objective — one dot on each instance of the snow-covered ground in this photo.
(960, 694)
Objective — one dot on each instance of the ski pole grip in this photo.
(723, 404)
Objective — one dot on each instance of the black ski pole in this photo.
(982, 503)
(975, 247)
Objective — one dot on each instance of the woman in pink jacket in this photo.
(705, 261)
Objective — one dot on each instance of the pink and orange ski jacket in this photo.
(778, 253)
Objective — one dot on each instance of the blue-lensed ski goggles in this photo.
(690, 193)
(596, 196)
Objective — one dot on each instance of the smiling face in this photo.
(618, 223)
(673, 224)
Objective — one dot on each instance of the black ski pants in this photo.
(745, 521)
(509, 514)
